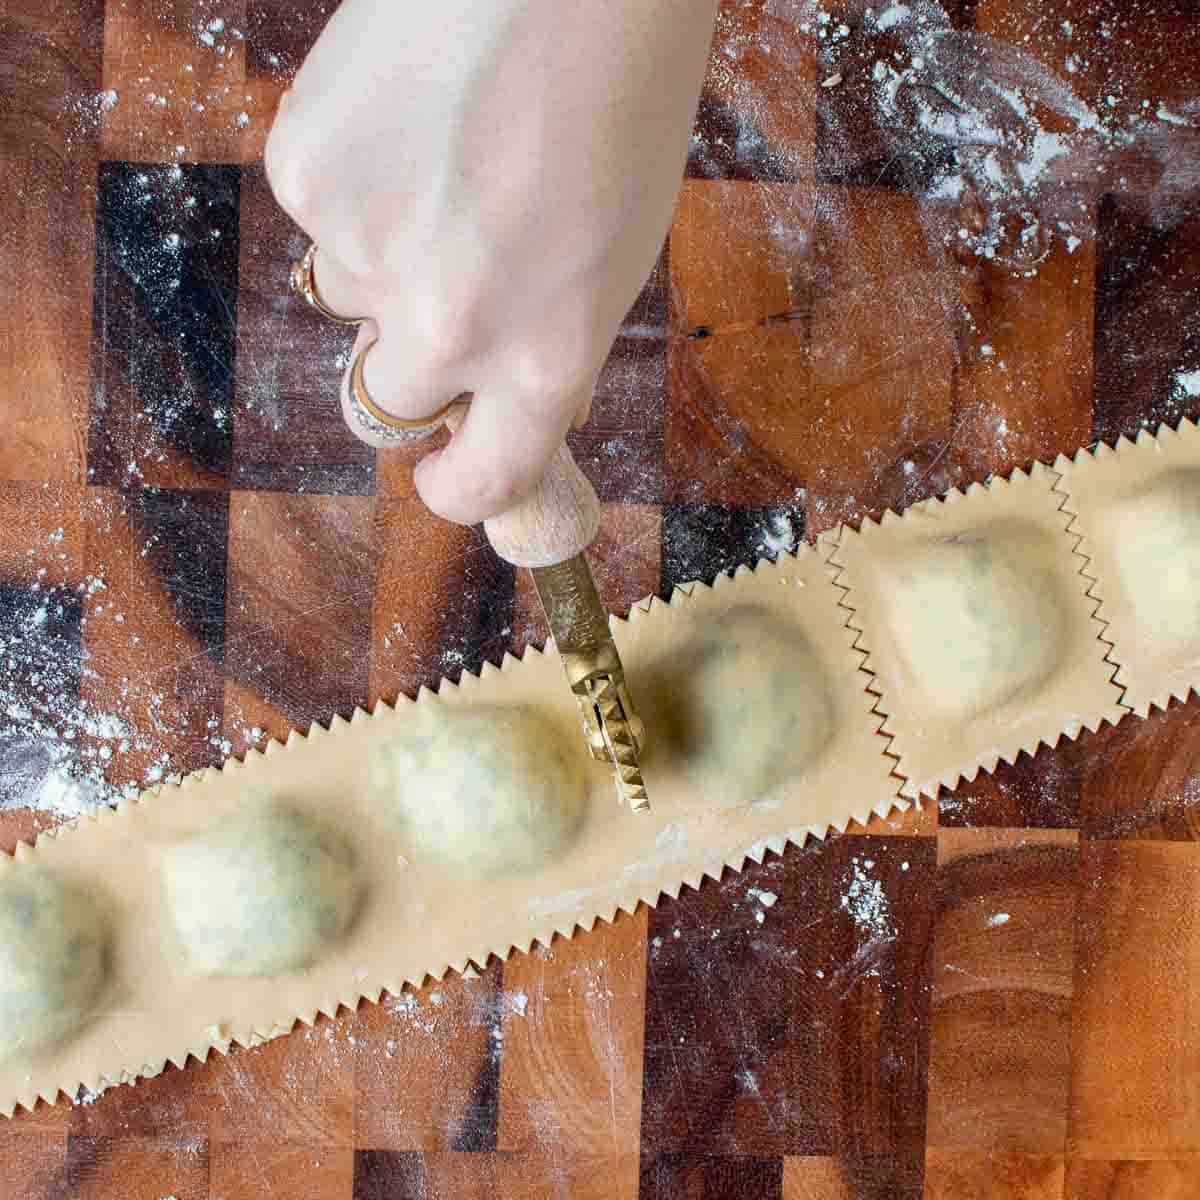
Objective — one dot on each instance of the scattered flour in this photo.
(866, 901)
(1186, 383)
(783, 532)
(63, 753)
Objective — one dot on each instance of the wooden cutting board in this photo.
(993, 998)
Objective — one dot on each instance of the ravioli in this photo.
(53, 960)
(265, 894)
(488, 789)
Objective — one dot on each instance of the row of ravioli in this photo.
(481, 791)
(272, 888)
(978, 618)
(1030, 608)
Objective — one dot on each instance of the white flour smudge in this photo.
(515, 1003)
(53, 748)
(866, 901)
(62, 753)
(783, 532)
(1185, 383)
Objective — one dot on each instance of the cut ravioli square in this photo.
(1137, 508)
(978, 628)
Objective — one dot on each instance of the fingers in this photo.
(584, 412)
(504, 443)
(499, 452)
(410, 393)
(405, 375)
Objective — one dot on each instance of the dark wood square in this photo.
(164, 325)
(755, 116)
(709, 1177)
(1147, 315)
(702, 541)
(288, 431)
(621, 448)
(388, 1175)
(794, 1026)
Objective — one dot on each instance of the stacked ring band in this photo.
(305, 286)
(383, 424)
(370, 417)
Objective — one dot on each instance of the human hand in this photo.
(491, 182)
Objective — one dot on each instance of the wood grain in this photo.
(153, 634)
(407, 621)
(571, 1080)
(301, 578)
(266, 1169)
(955, 1176)
(300, 1087)
(408, 1053)
(288, 431)
(1142, 782)
(1144, 298)
(1036, 359)
(814, 1179)
(1101, 1180)
(34, 1162)
(883, 360)
(172, 410)
(49, 141)
(179, 74)
(164, 326)
(738, 384)
(123, 1169)
(534, 1176)
(1003, 977)
(748, 1001)
(620, 449)
(1134, 1082)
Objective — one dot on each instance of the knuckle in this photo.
(552, 373)
(451, 328)
(283, 161)
(493, 494)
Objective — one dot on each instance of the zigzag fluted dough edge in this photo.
(97, 1063)
(877, 718)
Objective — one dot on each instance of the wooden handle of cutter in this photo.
(552, 523)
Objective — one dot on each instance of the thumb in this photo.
(499, 452)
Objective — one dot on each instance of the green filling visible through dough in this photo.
(489, 789)
(53, 961)
(264, 895)
(743, 705)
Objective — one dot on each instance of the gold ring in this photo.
(305, 286)
(384, 424)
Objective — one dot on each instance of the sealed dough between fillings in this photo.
(1154, 534)
(487, 788)
(53, 961)
(976, 601)
(744, 704)
(265, 894)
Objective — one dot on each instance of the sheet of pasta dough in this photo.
(978, 628)
(1137, 508)
(780, 743)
